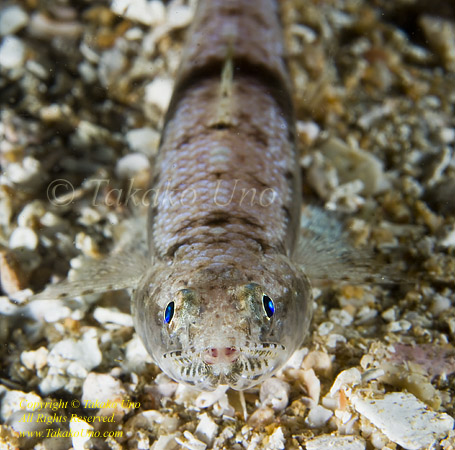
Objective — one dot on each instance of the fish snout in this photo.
(221, 355)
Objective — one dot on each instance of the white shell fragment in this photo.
(12, 19)
(144, 140)
(35, 359)
(355, 164)
(47, 310)
(207, 429)
(218, 399)
(23, 237)
(28, 173)
(190, 442)
(110, 315)
(142, 11)
(312, 384)
(12, 53)
(179, 16)
(336, 443)
(73, 359)
(159, 92)
(404, 419)
(276, 440)
(128, 166)
(80, 432)
(440, 32)
(349, 377)
(104, 391)
(12, 401)
(136, 356)
(318, 416)
(274, 393)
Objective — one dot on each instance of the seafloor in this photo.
(83, 89)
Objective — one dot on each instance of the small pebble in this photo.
(37, 69)
(179, 16)
(110, 315)
(318, 416)
(320, 362)
(440, 304)
(12, 53)
(325, 328)
(27, 174)
(23, 237)
(340, 317)
(104, 392)
(218, 399)
(12, 276)
(261, 417)
(274, 393)
(165, 442)
(149, 13)
(349, 377)
(13, 401)
(308, 130)
(80, 431)
(131, 164)
(30, 213)
(144, 140)
(136, 356)
(206, 429)
(276, 441)
(35, 359)
(159, 92)
(42, 26)
(12, 19)
(7, 308)
(398, 326)
(75, 358)
(447, 135)
(112, 65)
(440, 33)
(334, 339)
(312, 384)
(48, 310)
(353, 163)
(448, 240)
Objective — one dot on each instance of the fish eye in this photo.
(169, 312)
(269, 307)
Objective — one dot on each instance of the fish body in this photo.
(220, 273)
(222, 301)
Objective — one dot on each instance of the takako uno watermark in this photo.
(222, 193)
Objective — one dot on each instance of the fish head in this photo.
(222, 325)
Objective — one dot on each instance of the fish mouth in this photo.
(238, 367)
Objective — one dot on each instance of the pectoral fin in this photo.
(122, 269)
(325, 254)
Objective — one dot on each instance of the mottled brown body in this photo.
(207, 171)
(226, 214)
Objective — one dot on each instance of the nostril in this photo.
(224, 355)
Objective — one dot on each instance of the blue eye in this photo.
(268, 305)
(169, 312)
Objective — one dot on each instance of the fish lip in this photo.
(248, 349)
(255, 362)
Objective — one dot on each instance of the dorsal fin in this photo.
(224, 115)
